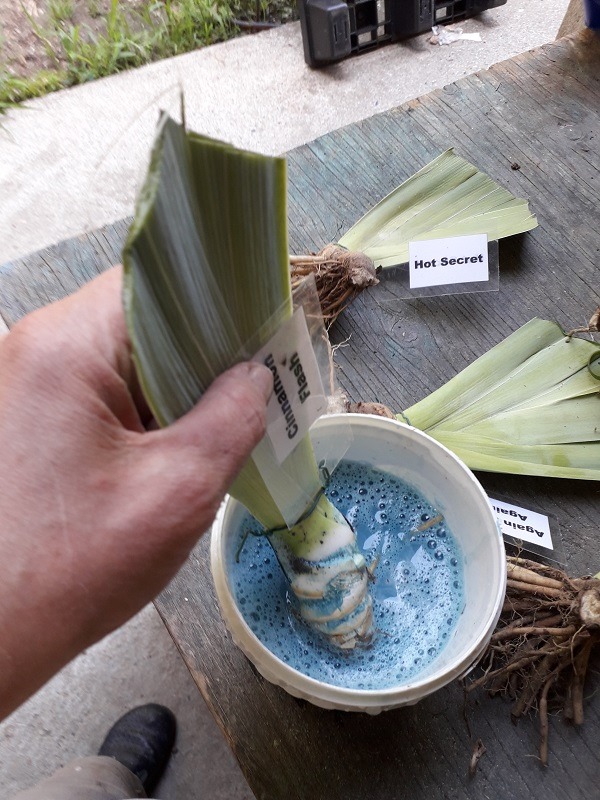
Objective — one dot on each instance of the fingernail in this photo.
(262, 378)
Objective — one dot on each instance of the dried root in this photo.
(539, 652)
(478, 751)
(340, 276)
(378, 409)
(593, 325)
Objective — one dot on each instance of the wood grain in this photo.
(541, 111)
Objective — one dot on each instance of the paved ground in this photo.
(71, 162)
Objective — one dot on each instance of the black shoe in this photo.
(142, 740)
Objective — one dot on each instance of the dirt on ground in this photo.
(30, 30)
(23, 51)
(20, 49)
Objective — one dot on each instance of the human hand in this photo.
(96, 513)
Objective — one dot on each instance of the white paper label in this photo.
(456, 259)
(298, 396)
(522, 524)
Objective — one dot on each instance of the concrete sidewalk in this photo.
(71, 162)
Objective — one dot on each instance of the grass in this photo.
(61, 10)
(128, 37)
(93, 7)
(14, 90)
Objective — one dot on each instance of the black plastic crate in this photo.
(409, 18)
(334, 29)
(370, 23)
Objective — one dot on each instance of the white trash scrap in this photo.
(443, 35)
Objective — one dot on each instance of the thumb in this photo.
(189, 465)
(229, 420)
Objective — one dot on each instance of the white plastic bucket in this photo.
(451, 487)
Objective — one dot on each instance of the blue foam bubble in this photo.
(417, 591)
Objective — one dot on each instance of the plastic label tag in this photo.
(519, 523)
(443, 262)
(298, 396)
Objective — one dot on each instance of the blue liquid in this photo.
(418, 590)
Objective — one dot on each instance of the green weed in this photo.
(13, 90)
(89, 56)
(61, 10)
(130, 37)
(93, 7)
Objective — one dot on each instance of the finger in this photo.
(229, 421)
(186, 468)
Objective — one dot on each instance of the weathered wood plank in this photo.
(541, 111)
(53, 273)
(290, 750)
(401, 350)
